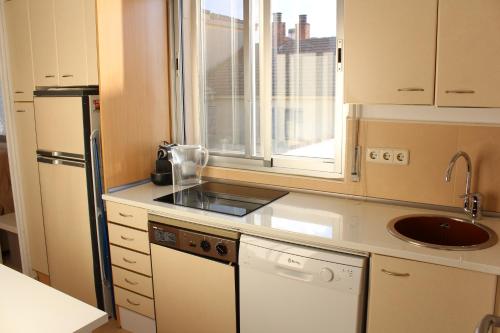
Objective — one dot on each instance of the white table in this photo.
(27, 305)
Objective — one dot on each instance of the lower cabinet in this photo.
(414, 297)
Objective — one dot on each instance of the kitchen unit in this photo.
(349, 226)
(67, 132)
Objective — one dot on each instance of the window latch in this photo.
(340, 63)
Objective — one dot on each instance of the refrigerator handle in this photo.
(56, 161)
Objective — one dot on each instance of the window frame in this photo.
(188, 85)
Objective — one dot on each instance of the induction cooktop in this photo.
(222, 198)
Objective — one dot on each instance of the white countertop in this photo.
(322, 221)
(27, 305)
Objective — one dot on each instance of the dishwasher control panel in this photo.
(199, 243)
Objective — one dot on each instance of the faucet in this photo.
(472, 201)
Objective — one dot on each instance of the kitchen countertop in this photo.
(27, 305)
(322, 221)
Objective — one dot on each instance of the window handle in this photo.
(395, 274)
(132, 303)
(459, 91)
(410, 89)
(128, 261)
(125, 238)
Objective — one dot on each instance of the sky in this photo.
(321, 14)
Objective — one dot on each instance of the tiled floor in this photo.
(111, 327)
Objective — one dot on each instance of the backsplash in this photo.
(431, 146)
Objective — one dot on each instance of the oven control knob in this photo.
(326, 274)
(205, 245)
(221, 249)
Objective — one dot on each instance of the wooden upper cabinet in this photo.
(390, 51)
(43, 40)
(19, 41)
(414, 297)
(468, 58)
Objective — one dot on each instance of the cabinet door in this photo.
(19, 42)
(413, 297)
(390, 51)
(67, 230)
(91, 42)
(43, 40)
(468, 71)
(24, 123)
(71, 51)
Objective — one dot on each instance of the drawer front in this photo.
(132, 281)
(134, 302)
(137, 262)
(127, 215)
(127, 237)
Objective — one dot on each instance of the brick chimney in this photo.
(279, 29)
(303, 29)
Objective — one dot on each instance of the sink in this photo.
(442, 232)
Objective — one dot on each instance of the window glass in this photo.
(304, 64)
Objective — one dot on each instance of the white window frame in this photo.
(188, 91)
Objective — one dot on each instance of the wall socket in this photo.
(388, 155)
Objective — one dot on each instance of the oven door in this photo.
(192, 294)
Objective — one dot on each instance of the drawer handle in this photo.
(49, 76)
(131, 282)
(20, 111)
(18, 92)
(125, 238)
(395, 274)
(128, 261)
(67, 75)
(410, 89)
(125, 215)
(132, 303)
(460, 91)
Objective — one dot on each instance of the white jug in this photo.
(188, 162)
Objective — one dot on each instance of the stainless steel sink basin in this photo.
(442, 232)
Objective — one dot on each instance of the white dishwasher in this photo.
(286, 288)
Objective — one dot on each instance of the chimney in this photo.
(279, 29)
(303, 29)
(292, 33)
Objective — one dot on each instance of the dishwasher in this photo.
(194, 276)
(286, 288)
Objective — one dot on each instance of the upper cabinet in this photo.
(468, 61)
(390, 48)
(63, 36)
(18, 35)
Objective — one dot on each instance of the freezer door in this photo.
(67, 227)
(59, 125)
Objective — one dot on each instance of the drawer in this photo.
(134, 261)
(127, 237)
(127, 215)
(132, 281)
(134, 302)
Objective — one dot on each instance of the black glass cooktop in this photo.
(223, 198)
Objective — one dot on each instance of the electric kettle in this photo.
(188, 162)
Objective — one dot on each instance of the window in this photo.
(262, 83)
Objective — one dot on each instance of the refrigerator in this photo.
(69, 163)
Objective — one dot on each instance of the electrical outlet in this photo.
(386, 156)
(401, 156)
(373, 155)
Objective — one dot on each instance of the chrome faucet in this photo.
(472, 201)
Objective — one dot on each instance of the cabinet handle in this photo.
(18, 92)
(395, 274)
(49, 76)
(131, 282)
(410, 89)
(125, 238)
(67, 75)
(20, 111)
(125, 215)
(132, 303)
(460, 91)
(128, 261)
